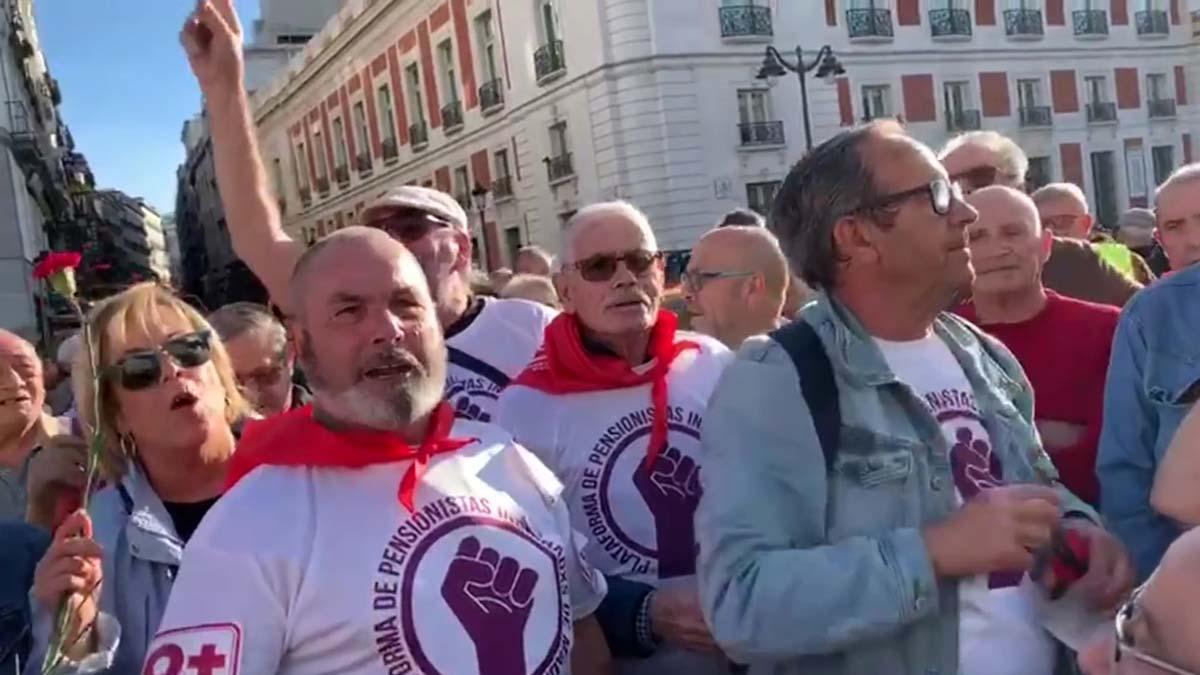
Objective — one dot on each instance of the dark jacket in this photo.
(21, 547)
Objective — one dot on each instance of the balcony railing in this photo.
(363, 163)
(559, 168)
(950, 22)
(1023, 22)
(1161, 108)
(1036, 116)
(452, 116)
(1152, 22)
(549, 61)
(869, 23)
(305, 196)
(502, 187)
(341, 175)
(390, 149)
(322, 185)
(418, 135)
(1101, 112)
(963, 120)
(1090, 22)
(754, 134)
(491, 95)
(746, 21)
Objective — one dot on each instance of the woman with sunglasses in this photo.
(168, 405)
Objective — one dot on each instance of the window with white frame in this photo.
(547, 19)
(445, 61)
(339, 143)
(957, 97)
(876, 101)
(277, 176)
(462, 185)
(485, 36)
(360, 126)
(754, 106)
(1029, 93)
(1096, 87)
(500, 162)
(1156, 87)
(558, 140)
(387, 114)
(1163, 158)
(319, 156)
(760, 196)
(299, 173)
(416, 107)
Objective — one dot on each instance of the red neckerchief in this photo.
(564, 366)
(294, 438)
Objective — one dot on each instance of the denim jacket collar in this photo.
(150, 530)
(853, 351)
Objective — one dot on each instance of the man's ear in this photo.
(1047, 244)
(464, 258)
(563, 286)
(855, 239)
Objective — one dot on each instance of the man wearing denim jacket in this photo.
(906, 553)
(1153, 380)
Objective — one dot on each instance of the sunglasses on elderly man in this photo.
(981, 177)
(602, 267)
(408, 225)
(143, 369)
(941, 192)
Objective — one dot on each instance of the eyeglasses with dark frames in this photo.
(695, 280)
(941, 192)
(1124, 642)
(602, 267)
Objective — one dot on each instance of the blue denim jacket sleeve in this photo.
(771, 585)
(1126, 460)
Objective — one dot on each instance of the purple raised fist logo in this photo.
(974, 464)
(671, 488)
(492, 596)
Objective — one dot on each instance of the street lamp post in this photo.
(825, 63)
(479, 194)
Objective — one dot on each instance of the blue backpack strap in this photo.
(817, 383)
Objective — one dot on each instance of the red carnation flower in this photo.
(56, 262)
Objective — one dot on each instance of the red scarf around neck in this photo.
(564, 366)
(294, 438)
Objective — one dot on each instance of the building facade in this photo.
(35, 207)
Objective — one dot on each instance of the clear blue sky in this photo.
(126, 86)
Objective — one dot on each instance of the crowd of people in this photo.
(918, 421)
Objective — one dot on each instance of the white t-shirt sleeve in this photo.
(223, 613)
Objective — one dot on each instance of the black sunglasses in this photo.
(942, 194)
(143, 369)
(981, 177)
(408, 226)
(602, 267)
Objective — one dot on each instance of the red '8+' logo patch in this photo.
(209, 649)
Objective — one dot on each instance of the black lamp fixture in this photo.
(825, 63)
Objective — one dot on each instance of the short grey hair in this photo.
(537, 251)
(1184, 174)
(832, 181)
(1056, 191)
(236, 319)
(591, 213)
(1012, 158)
(532, 287)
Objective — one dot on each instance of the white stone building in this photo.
(552, 104)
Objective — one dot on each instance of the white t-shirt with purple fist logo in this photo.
(308, 571)
(638, 520)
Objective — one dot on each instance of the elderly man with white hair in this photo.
(1153, 381)
(978, 159)
(613, 403)
(489, 340)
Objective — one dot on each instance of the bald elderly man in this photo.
(736, 282)
(1063, 344)
(405, 540)
(1158, 629)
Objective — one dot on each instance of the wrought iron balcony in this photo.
(963, 120)
(869, 23)
(363, 163)
(746, 21)
(452, 116)
(322, 185)
(1023, 22)
(950, 22)
(1161, 108)
(755, 134)
(1036, 116)
(341, 175)
(1152, 22)
(559, 168)
(390, 149)
(418, 135)
(1101, 112)
(1090, 22)
(549, 61)
(502, 187)
(491, 95)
